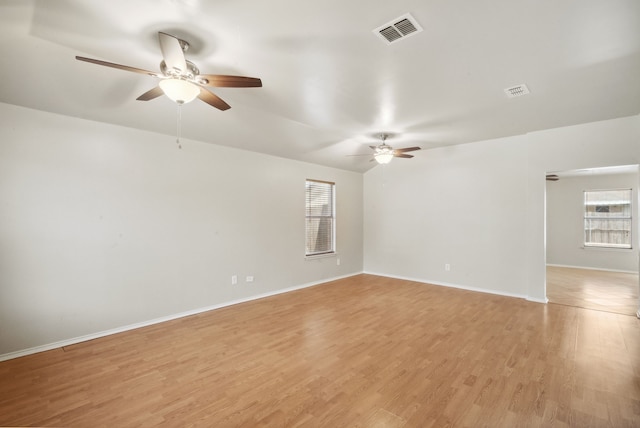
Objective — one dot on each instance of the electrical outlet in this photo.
(234, 279)
(249, 278)
(447, 267)
(338, 262)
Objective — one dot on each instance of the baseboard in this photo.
(461, 287)
(592, 268)
(79, 339)
(536, 300)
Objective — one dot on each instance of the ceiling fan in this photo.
(180, 79)
(384, 153)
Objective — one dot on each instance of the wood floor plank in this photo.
(363, 351)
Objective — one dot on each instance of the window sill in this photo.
(596, 248)
(320, 256)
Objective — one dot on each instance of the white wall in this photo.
(463, 206)
(102, 227)
(480, 207)
(565, 232)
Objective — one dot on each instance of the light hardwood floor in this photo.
(593, 289)
(365, 351)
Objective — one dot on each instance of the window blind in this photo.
(320, 217)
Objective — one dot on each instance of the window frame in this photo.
(586, 218)
(332, 217)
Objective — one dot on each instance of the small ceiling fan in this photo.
(180, 79)
(384, 153)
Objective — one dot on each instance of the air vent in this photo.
(517, 91)
(398, 29)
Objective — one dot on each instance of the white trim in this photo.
(533, 299)
(73, 341)
(462, 287)
(592, 268)
(596, 247)
(320, 256)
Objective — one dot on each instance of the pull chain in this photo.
(179, 126)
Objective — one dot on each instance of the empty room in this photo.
(339, 214)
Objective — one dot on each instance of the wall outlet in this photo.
(249, 278)
(234, 279)
(447, 267)
(338, 262)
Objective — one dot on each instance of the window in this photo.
(320, 217)
(607, 218)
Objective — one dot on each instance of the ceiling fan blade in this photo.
(222, 81)
(151, 94)
(374, 147)
(172, 52)
(213, 100)
(407, 149)
(118, 66)
(401, 155)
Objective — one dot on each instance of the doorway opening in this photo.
(603, 274)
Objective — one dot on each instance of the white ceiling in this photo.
(329, 84)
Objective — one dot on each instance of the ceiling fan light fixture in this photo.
(383, 156)
(179, 90)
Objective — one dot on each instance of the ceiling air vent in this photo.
(517, 91)
(400, 28)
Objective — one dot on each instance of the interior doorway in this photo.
(600, 275)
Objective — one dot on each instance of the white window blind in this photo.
(607, 218)
(320, 217)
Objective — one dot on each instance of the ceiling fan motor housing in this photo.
(189, 74)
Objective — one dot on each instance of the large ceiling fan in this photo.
(384, 153)
(180, 79)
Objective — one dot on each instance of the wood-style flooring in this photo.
(366, 351)
(593, 289)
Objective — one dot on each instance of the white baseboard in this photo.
(536, 300)
(462, 287)
(592, 268)
(74, 340)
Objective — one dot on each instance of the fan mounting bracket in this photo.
(184, 45)
(190, 74)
